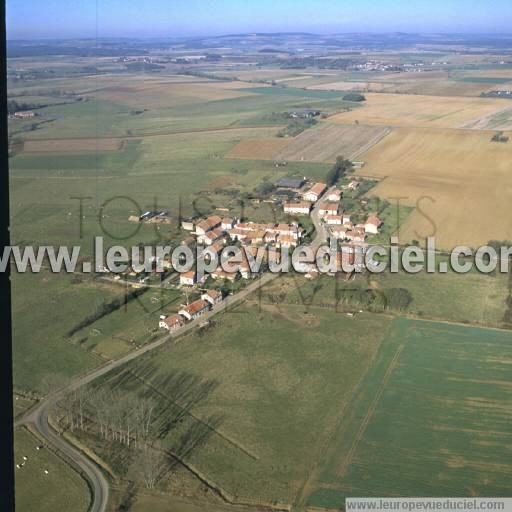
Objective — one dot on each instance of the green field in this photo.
(61, 489)
(432, 418)
(293, 91)
(484, 79)
(98, 164)
(44, 307)
(278, 387)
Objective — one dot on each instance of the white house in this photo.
(334, 220)
(195, 309)
(212, 296)
(328, 208)
(303, 207)
(334, 195)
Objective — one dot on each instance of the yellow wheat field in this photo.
(416, 110)
(459, 181)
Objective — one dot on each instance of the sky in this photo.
(28, 19)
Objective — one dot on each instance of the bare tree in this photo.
(152, 464)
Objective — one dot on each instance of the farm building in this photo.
(315, 192)
(195, 309)
(298, 207)
(291, 183)
(303, 114)
(170, 323)
(187, 223)
(23, 114)
(155, 216)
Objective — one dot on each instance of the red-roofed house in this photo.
(315, 192)
(195, 309)
(170, 323)
(328, 208)
(372, 225)
(208, 224)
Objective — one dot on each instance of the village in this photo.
(307, 199)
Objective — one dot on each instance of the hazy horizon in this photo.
(56, 19)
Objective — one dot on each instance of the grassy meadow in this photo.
(279, 387)
(60, 489)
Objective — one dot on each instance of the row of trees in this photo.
(137, 424)
(338, 170)
(123, 418)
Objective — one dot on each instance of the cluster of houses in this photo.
(191, 311)
(331, 211)
(215, 231)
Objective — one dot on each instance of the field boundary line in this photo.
(163, 133)
(369, 145)
(324, 452)
(371, 410)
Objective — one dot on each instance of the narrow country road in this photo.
(38, 416)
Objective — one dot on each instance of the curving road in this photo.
(38, 416)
